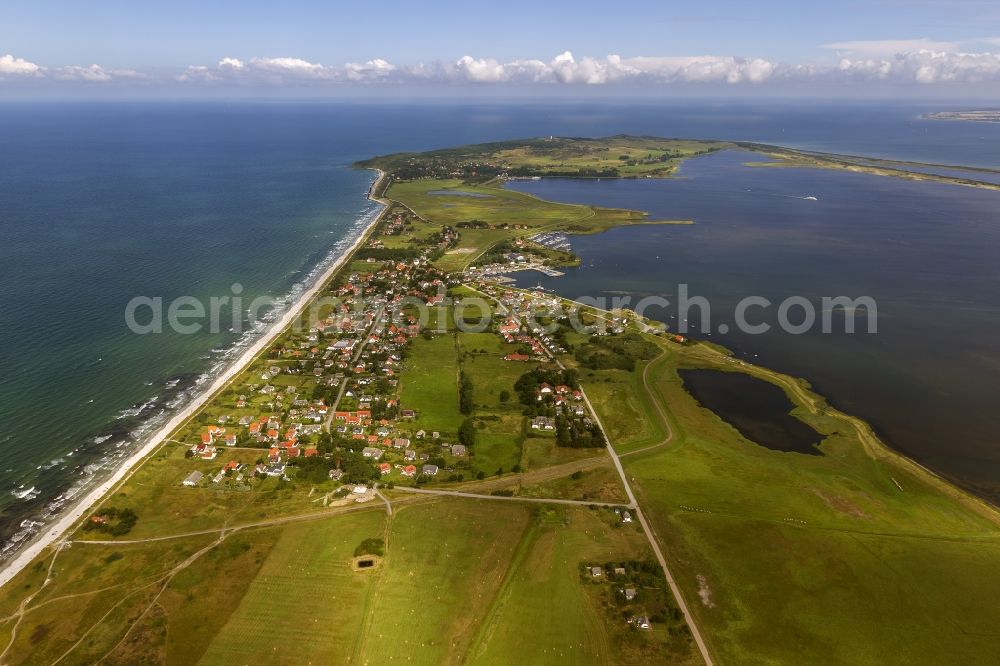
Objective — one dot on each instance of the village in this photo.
(326, 398)
(403, 375)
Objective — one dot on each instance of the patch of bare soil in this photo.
(705, 592)
(841, 504)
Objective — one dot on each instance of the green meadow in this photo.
(457, 580)
(496, 206)
(855, 556)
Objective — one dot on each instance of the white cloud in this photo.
(231, 63)
(11, 66)
(376, 69)
(891, 47)
(294, 68)
(705, 69)
(257, 70)
(926, 67)
(481, 70)
(887, 61)
(93, 74)
(198, 74)
(568, 70)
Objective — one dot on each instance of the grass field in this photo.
(94, 591)
(496, 206)
(496, 450)
(443, 566)
(624, 156)
(165, 506)
(541, 451)
(600, 484)
(430, 384)
(624, 408)
(543, 614)
(786, 557)
(306, 604)
(630, 156)
(498, 442)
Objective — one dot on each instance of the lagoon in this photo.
(759, 410)
(926, 252)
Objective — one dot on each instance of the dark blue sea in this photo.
(101, 202)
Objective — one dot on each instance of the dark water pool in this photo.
(758, 409)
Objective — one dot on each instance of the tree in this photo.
(467, 433)
(504, 395)
(465, 389)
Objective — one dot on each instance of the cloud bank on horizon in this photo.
(919, 61)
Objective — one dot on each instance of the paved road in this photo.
(633, 504)
(695, 633)
(331, 409)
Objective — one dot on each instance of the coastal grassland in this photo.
(500, 424)
(179, 597)
(495, 206)
(629, 156)
(164, 506)
(306, 604)
(540, 450)
(94, 591)
(549, 611)
(616, 156)
(624, 407)
(429, 383)
(784, 157)
(847, 557)
(598, 484)
(444, 563)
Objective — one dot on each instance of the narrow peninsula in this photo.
(384, 480)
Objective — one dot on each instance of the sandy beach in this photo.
(52, 533)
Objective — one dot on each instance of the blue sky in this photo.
(307, 44)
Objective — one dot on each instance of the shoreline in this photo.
(65, 522)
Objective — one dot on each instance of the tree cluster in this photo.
(110, 520)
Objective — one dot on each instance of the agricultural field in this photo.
(307, 603)
(444, 564)
(611, 157)
(550, 573)
(430, 384)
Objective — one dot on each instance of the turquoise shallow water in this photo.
(103, 202)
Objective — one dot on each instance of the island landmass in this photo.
(981, 115)
(380, 483)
